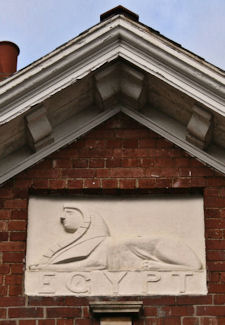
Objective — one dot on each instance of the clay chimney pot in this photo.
(8, 58)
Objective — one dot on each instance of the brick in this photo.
(210, 310)
(198, 300)
(146, 162)
(212, 321)
(171, 321)
(3, 226)
(14, 279)
(219, 299)
(216, 223)
(5, 214)
(190, 321)
(113, 162)
(40, 183)
(19, 214)
(96, 163)
(215, 244)
(23, 183)
(150, 311)
(83, 322)
(57, 184)
(17, 225)
(181, 162)
(109, 183)
(95, 153)
(7, 322)
(136, 152)
(127, 172)
(15, 204)
(63, 312)
(6, 193)
(130, 162)
(12, 246)
(164, 162)
(25, 312)
(65, 322)
(27, 322)
(131, 133)
(3, 236)
(76, 301)
(203, 171)
(214, 234)
(44, 173)
(151, 321)
(4, 268)
(44, 164)
(163, 182)
(127, 183)
(75, 183)
(80, 163)
(130, 143)
(214, 202)
(169, 171)
(62, 163)
(17, 268)
(46, 322)
(3, 290)
(147, 143)
(158, 300)
(3, 313)
(92, 143)
(92, 183)
(46, 301)
(114, 143)
(103, 173)
(178, 310)
(13, 257)
(198, 182)
(12, 301)
(216, 288)
(213, 213)
(18, 236)
(216, 266)
(85, 312)
(146, 183)
(213, 276)
(216, 255)
(79, 173)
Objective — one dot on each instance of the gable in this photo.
(118, 65)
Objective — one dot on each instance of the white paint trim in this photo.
(115, 38)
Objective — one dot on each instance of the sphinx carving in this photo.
(92, 247)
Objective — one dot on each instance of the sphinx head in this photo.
(72, 219)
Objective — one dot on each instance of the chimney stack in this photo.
(8, 58)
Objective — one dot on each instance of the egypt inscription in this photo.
(115, 246)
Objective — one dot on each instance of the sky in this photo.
(40, 26)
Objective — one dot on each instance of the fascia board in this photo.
(103, 43)
(84, 123)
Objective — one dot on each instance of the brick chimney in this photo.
(8, 59)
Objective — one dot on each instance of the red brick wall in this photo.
(120, 155)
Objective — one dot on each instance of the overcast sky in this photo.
(39, 26)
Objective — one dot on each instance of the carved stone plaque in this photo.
(115, 246)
